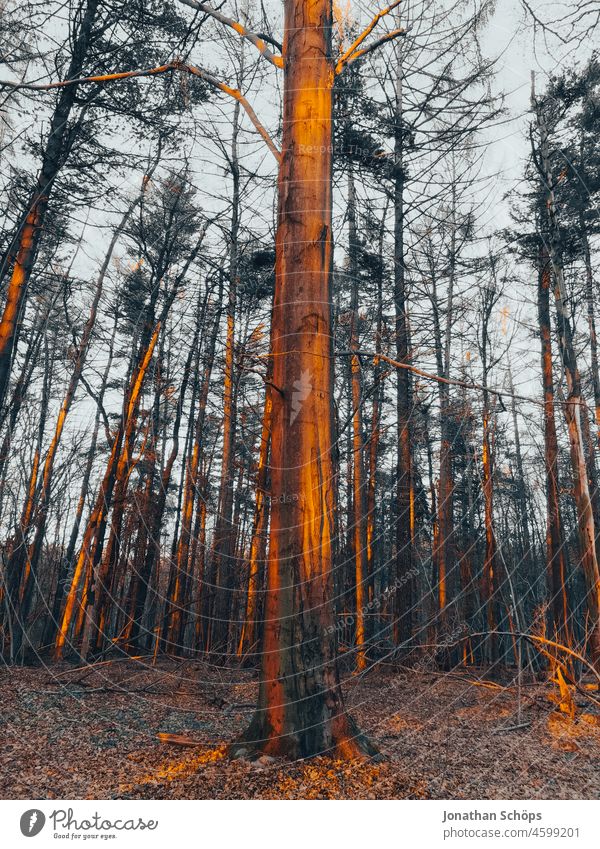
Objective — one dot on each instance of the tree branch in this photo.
(101, 78)
(149, 72)
(345, 57)
(500, 394)
(259, 41)
(358, 53)
(237, 95)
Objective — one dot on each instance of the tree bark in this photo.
(300, 709)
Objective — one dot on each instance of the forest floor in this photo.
(70, 733)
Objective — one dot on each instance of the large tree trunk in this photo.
(300, 709)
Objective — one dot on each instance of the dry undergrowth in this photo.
(70, 733)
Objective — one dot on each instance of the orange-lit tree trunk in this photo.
(97, 628)
(91, 547)
(41, 512)
(300, 709)
(68, 560)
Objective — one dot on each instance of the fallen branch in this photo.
(88, 668)
(543, 640)
(511, 727)
(179, 740)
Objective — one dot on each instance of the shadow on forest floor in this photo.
(92, 733)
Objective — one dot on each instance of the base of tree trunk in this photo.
(339, 737)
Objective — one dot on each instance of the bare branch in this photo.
(258, 40)
(500, 394)
(389, 36)
(160, 69)
(343, 60)
(101, 78)
(235, 93)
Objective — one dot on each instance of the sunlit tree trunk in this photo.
(68, 561)
(300, 709)
(91, 548)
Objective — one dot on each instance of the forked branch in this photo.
(353, 53)
(389, 36)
